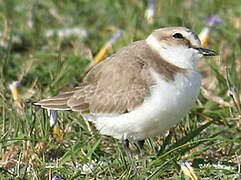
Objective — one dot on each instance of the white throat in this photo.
(180, 56)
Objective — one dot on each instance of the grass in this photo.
(209, 137)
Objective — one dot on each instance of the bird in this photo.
(142, 90)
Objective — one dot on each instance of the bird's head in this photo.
(178, 45)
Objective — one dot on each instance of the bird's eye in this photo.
(178, 36)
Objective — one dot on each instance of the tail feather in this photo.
(73, 100)
(58, 102)
(56, 107)
(48, 102)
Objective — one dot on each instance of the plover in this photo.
(142, 90)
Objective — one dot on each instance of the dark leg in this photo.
(142, 151)
(125, 143)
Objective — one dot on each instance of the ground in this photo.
(38, 50)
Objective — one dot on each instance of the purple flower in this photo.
(116, 36)
(151, 4)
(52, 115)
(234, 89)
(56, 178)
(213, 20)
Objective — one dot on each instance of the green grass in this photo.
(48, 65)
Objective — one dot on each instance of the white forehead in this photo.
(193, 38)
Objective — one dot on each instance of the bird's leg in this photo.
(142, 151)
(125, 143)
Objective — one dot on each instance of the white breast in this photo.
(167, 104)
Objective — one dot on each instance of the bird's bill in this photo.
(206, 52)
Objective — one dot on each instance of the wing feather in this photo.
(116, 85)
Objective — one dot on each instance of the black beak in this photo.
(206, 52)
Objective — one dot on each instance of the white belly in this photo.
(165, 107)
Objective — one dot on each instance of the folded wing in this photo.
(117, 85)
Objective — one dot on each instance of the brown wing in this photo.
(116, 85)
